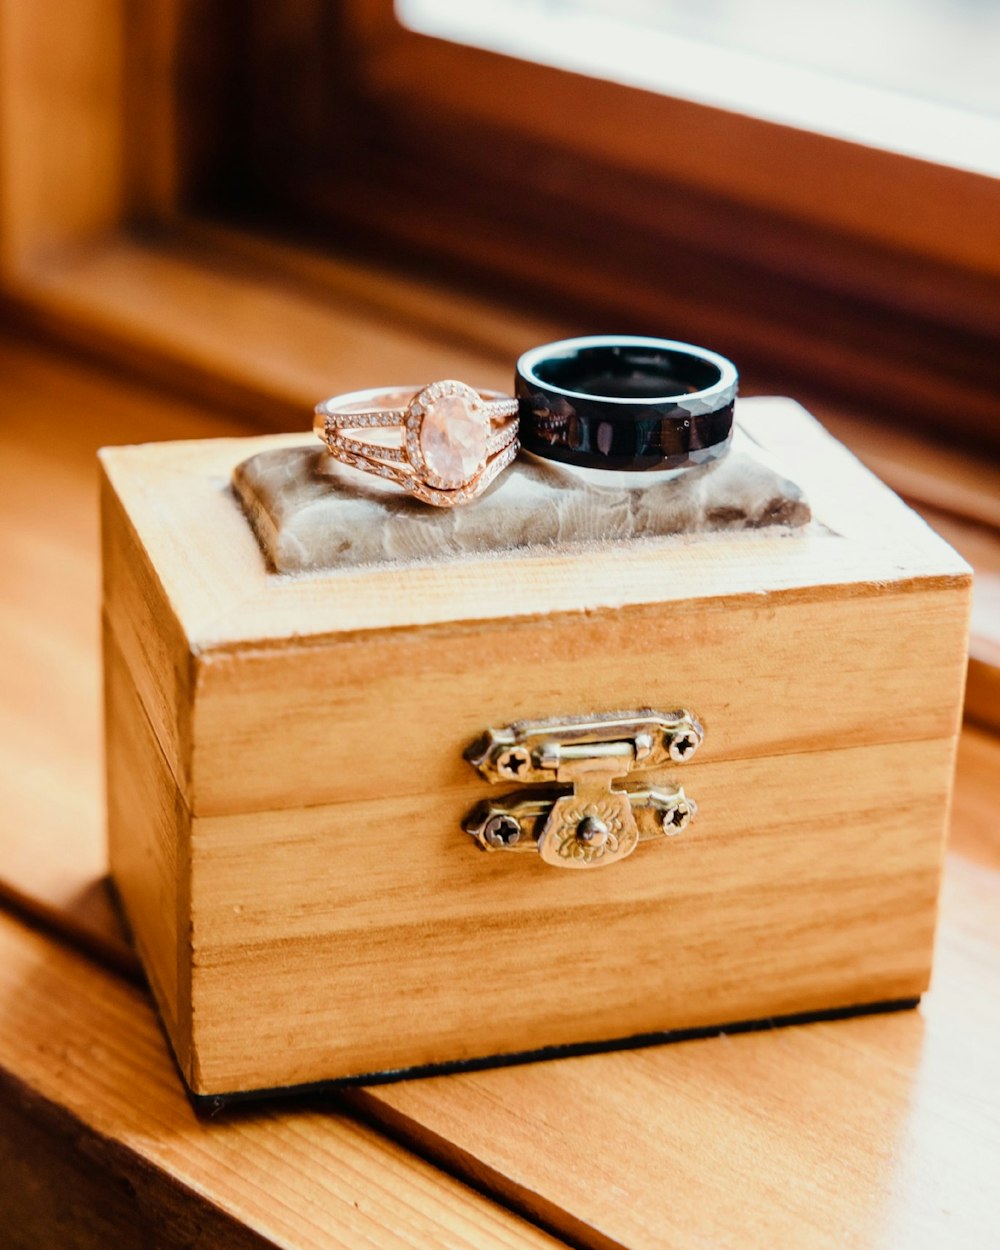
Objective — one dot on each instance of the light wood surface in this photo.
(149, 838)
(819, 908)
(320, 913)
(214, 630)
(80, 1040)
(274, 749)
(947, 479)
(281, 864)
(61, 131)
(921, 1171)
(50, 720)
(886, 1135)
(226, 598)
(262, 342)
(882, 1131)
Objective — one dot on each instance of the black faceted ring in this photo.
(618, 401)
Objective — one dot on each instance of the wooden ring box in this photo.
(286, 781)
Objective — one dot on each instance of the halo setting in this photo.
(454, 439)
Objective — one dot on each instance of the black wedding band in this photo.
(618, 401)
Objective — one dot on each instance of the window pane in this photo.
(917, 76)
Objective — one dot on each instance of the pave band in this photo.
(625, 402)
(452, 440)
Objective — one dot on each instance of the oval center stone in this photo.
(453, 438)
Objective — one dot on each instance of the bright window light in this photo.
(920, 77)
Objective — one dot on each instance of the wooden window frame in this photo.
(884, 299)
(924, 210)
(116, 118)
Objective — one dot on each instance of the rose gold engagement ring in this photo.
(452, 441)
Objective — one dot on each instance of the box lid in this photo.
(268, 690)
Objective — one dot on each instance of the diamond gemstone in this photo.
(453, 438)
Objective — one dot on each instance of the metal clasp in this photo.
(577, 817)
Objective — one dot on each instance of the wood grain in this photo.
(64, 1185)
(875, 1132)
(331, 902)
(880, 1132)
(827, 901)
(148, 831)
(296, 880)
(280, 636)
(77, 1043)
(261, 739)
(885, 1135)
(267, 346)
(61, 129)
(234, 705)
(50, 722)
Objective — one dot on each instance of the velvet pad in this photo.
(310, 513)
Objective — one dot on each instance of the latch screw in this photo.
(677, 815)
(683, 745)
(502, 831)
(513, 762)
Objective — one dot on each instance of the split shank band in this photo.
(443, 443)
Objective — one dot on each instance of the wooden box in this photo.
(286, 781)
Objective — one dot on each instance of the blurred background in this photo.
(214, 213)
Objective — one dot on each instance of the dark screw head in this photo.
(678, 816)
(502, 831)
(592, 832)
(513, 762)
(682, 745)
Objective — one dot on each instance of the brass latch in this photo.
(573, 815)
